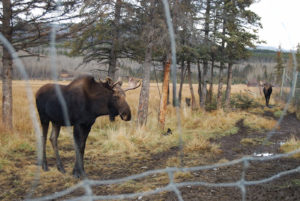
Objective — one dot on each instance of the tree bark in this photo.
(194, 106)
(112, 68)
(210, 91)
(199, 82)
(144, 95)
(228, 88)
(205, 60)
(182, 75)
(164, 98)
(220, 86)
(204, 85)
(168, 98)
(7, 67)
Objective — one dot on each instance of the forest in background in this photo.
(131, 38)
(260, 66)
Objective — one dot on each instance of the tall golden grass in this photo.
(119, 141)
(126, 137)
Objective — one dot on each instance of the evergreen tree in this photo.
(24, 29)
(238, 37)
(104, 37)
(279, 66)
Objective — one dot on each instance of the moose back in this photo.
(85, 100)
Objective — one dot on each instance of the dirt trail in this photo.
(284, 188)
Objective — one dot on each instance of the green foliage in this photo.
(24, 148)
(243, 101)
(278, 113)
(251, 141)
(231, 131)
(279, 66)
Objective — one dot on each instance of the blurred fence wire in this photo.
(87, 184)
(172, 186)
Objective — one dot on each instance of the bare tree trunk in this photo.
(205, 62)
(220, 86)
(144, 95)
(204, 85)
(112, 68)
(194, 106)
(199, 82)
(164, 65)
(165, 89)
(182, 75)
(228, 88)
(282, 82)
(168, 98)
(7, 67)
(210, 91)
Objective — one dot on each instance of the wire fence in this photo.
(87, 184)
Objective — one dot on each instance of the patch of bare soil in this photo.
(283, 188)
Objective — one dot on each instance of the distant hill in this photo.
(266, 55)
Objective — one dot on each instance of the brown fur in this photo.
(86, 100)
(267, 92)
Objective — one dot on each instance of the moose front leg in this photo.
(267, 101)
(81, 133)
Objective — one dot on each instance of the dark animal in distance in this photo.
(169, 132)
(86, 99)
(188, 102)
(267, 89)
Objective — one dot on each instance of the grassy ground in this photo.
(120, 141)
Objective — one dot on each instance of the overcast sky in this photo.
(281, 22)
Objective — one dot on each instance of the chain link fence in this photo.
(87, 184)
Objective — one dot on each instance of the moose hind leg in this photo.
(53, 139)
(45, 127)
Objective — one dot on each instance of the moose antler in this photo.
(119, 81)
(133, 84)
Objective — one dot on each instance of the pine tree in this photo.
(24, 30)
(101, 40)
(279, 66)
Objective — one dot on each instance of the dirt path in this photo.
(284, 188)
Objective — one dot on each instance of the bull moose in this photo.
(85, 100)
(267, 89)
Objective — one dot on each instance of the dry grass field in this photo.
(111, 147)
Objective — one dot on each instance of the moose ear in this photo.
(108, 82)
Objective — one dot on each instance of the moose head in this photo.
(118, 104)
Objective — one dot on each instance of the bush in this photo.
(243, 101)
